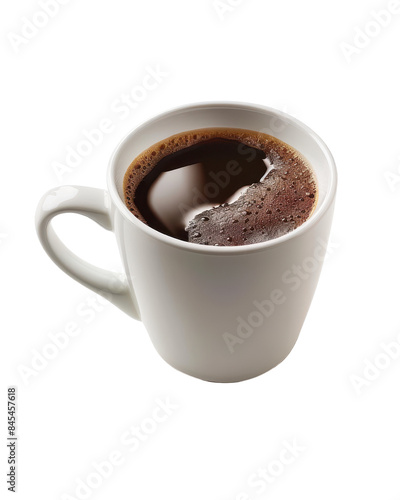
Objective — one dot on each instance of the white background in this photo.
(73, 412)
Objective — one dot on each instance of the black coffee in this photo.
(221, 187)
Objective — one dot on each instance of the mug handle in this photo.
(95, 204)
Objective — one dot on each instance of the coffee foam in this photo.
(279, 203)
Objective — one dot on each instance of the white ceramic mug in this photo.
(222, 314)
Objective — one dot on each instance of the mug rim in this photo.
(220, 250)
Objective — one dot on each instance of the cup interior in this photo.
(258, 118)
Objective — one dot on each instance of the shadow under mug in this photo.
(221, 314)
